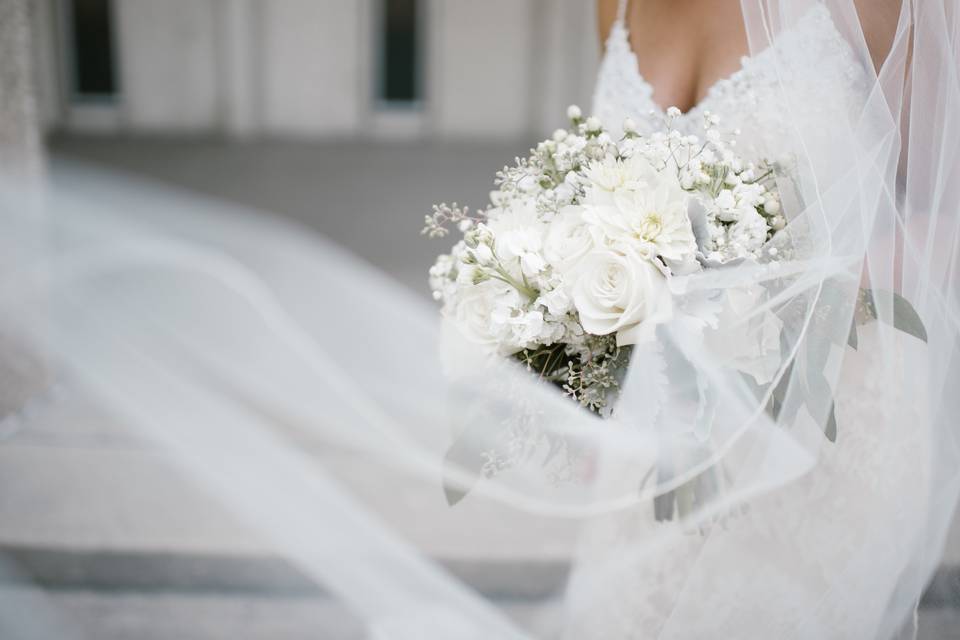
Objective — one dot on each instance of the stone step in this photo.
(81, 496)
(32, 614)
(96, 615)
(59, 569)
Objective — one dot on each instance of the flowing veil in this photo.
(331, 415)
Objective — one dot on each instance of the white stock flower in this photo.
(557, 302)
(621, 294)
(568, 239)
(518, 237)
(726, 206)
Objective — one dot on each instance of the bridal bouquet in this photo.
(575, 260)
(588, 246)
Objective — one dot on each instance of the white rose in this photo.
(622, 294)
(473, 310)
(568, 240)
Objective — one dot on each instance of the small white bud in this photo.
(437, 295)
(673, 112)
(465, 225)
(773, 251)
(559, 135)
(484, 254)
(593, 124)
(771, 206)
(574, 113)
(629, 125)
(778, 223)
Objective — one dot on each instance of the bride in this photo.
(305, 393)
(798, 563)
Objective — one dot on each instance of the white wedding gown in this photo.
(798, 562)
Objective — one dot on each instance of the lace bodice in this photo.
(812, 60)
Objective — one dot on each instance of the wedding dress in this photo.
(788, 547)
(313, 399)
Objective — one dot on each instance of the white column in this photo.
(20, 151)
(167, 58)
(238, 67)
(23, 370)
(310, 67)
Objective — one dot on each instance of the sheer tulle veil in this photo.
(326, 408)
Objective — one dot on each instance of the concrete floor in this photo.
(370, 199)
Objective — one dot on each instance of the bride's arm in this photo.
(606, 15)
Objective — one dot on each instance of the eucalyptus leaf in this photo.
(464, 455)
(819, 388)
(663, 506)
(834, 291)
(853, 339)
(785, 417)
(904, 317)
(706, 407)
(830, 429)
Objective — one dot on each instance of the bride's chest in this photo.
(808, 75)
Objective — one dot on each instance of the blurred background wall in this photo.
(318, 69)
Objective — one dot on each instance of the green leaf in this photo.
(785, 418)
(663, 507)
(706, 407)
(463, 456)
(853, 339)
(819, 388)
(453, 494)
(905, 317)
(830, 429)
